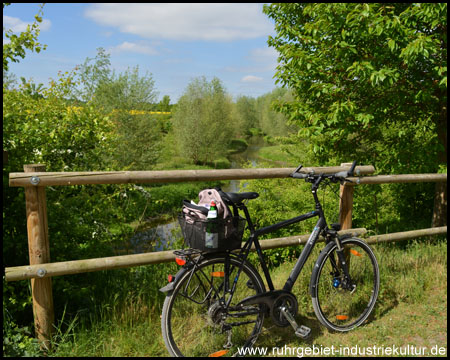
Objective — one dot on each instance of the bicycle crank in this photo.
(300, 331)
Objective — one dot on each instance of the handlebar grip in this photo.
(295, 171)
(342, 174)
(299, 175)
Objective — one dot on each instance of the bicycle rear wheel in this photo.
(195, 321)
(341, 304)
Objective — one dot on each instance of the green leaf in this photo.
(391, 44)
(379, 30)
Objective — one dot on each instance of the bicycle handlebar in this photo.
(341, 175)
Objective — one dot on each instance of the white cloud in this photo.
(17, 25)
(264, 54)
(251, 79)
(184, 21)
(260, 60)
(133, 47)
(265, 58)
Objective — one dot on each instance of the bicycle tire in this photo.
(193, 320)
(338, 305)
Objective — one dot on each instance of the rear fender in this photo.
(187, 267)
(171, 285)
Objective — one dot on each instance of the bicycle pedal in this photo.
(250, 285)
(303, 332)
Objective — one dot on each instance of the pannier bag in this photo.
(194, 223)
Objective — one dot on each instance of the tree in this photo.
(9, 80)
(202, 120)
(15, 46)
(272, 122)
(43, 129)
(164, 104)
(124, 97)
(126, 91)
(246, 113)
(93, 73)
(369, 81)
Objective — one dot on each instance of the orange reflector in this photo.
(170, 278)
(218, 274)
(218, 353)
(180, 261)
(341, 317)
(354, 252)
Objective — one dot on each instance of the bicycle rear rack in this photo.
(188, 254)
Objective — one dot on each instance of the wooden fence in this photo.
(34, 179)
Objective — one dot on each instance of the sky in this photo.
(175, 43)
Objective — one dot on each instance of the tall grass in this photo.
(411, 309)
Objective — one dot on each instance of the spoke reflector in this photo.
(218, 274)
(218, 353)
(341, 317)
(354, 252)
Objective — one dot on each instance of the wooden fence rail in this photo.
(35, 179)
(124, 261)
(42, 178)
(116, 262)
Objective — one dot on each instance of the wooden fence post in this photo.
(345, 205)
(345, 211)
(39, 252)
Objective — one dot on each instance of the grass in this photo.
(284, 155)
(411, 310)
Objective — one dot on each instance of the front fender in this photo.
(316, 269)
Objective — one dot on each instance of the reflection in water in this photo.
(250, 155)
(152, 239)
(162, 236)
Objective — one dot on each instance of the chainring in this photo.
(289, 301)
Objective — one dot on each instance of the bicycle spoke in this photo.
(342, 302)
(200, 325)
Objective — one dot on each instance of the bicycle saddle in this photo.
(237, 198)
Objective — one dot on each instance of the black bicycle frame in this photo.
(320, 226)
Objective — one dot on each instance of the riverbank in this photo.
(158, 230)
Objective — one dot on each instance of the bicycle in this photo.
(216, 303)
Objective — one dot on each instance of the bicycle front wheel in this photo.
(196, 320)
(342, 303)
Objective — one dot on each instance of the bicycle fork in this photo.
(348, 284)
